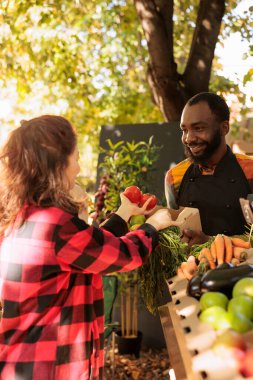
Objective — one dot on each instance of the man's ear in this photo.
(225, 127)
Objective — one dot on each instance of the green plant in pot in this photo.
(125, 164)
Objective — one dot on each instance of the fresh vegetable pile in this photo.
(217, 251)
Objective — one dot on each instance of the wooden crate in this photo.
(189, 341)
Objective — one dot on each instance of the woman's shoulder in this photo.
(50, 215)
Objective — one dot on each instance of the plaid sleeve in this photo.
(116, 225)
(96, 250)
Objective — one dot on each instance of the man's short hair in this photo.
(216, 103)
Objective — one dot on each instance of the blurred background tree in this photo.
(88, 60)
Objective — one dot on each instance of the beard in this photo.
(210, 149)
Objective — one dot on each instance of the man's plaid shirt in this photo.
(51, 291)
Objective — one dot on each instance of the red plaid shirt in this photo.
(51, 290)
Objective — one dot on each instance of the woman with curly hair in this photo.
(51, 261)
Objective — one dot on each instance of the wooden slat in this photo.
(175, 341)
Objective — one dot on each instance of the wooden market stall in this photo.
(189, 341)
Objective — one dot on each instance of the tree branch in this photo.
(198, 69)
(157, 22)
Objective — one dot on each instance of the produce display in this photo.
(231, 318)
(220, 279)
(212, 285)
(213, 297)
(217, 251)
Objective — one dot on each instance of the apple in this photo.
(228, 339)
(243, 286)
(133, 193)
(242, 304)
(209, 299)
(134, 227)
(152, 203)
(240, 323)
(212, 315)
(246, 367)
(137, 219)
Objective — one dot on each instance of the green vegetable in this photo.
(161, 265)
(221, 280)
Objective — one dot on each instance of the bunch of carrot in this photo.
(223, 249)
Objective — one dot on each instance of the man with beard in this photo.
(211, 178)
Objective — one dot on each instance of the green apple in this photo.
(242, 304)
(223, 322)
(243, 286)
(134, 227)
(213, 299)
(137, 219)
(240, 323)
(212, 315)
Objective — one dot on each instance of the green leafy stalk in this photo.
(161, 265)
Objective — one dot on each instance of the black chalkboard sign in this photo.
(167, 135)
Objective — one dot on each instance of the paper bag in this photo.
(188, 216)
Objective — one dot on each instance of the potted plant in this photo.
(125, 164)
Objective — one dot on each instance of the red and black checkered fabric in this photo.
(51, 291)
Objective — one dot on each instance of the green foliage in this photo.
(89, 57)
(84, 55)
(126, 164)
(161, 265)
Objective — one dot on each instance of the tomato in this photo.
(133, 193)
(152, 203)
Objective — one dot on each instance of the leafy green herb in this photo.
(161, 265)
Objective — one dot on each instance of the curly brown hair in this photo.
(32, 166)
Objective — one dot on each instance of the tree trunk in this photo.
(169, 89)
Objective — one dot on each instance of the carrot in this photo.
(220, 248)
(180, 273)
(240, 253)
(228, 249)
(189, 268)
(238, 242)
(207, 253)
(186, 271)
(200, 255)
(213, 251)
(235, 261)
(191, 259)
(203, 265)
(191, 262)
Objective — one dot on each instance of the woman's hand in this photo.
(162, 219)
(128, 209)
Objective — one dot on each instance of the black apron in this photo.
(217, 196)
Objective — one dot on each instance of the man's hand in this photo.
(194, 237)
